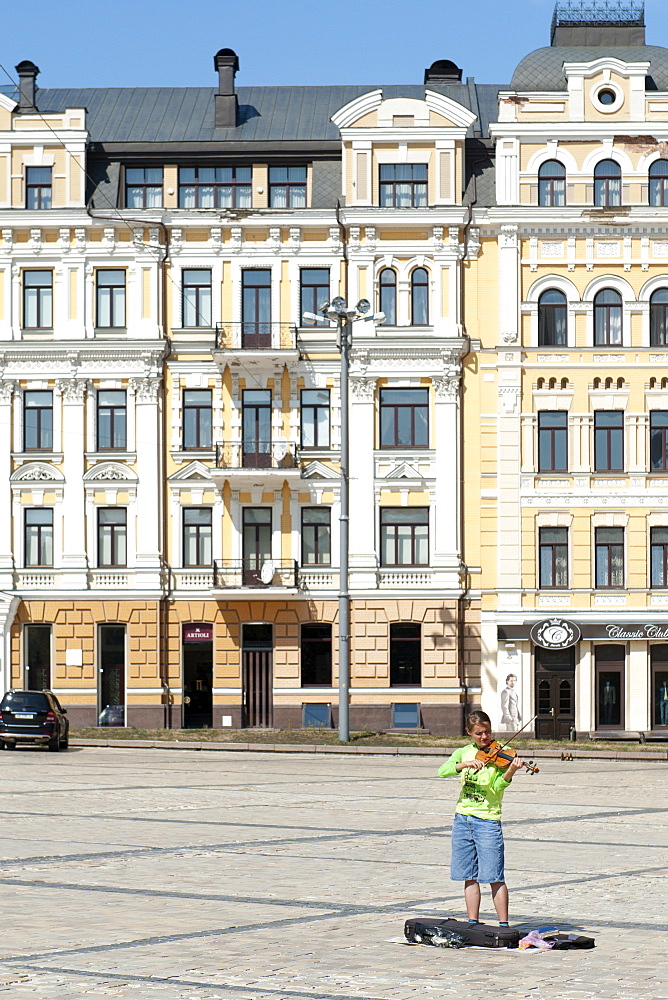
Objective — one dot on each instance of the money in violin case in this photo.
(421, 930)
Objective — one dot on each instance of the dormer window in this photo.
(38, 187)
(143, 187)
(403, 185)
(287, 187)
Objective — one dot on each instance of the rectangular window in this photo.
(287, 187)
(404, 533)
(403, 185)
(405, 654)
(404, 418)
(111, 420)
(609, 440)
(143, 187)
(553, 441)
(316, 655)
(255, 308)
(197, 536)
(609, 686)
(197, 430)
(110, 299)
(658, 440)
(553, 557)
(38, 536)
(315, 419)
(256, 543)
(659, 557)
(37, 657)
(38, 187)
(314, 292)
(609, 557)
(37, 300)
(256, 428)
(37, 420)
(111, 536)
(196, 298)
(215, 187)
(316, 536)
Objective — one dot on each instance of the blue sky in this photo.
(80, 43)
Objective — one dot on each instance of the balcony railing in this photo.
(256, 455)
(254, 572)
(256, 336)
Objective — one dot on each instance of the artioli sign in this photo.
(555, 633)
(197, 633)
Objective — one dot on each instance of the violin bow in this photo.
(518, 732)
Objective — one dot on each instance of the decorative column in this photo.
(446, 542)
(147, 402)
(74, 561)
(7, 390)
(363, 558)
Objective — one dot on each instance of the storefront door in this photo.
(197, 676)
(258, 677)
(111, 660)
(555, 693)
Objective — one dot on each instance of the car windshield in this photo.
(29, 701)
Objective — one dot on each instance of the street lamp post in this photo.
(338, 312)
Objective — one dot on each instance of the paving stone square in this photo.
(257, 876)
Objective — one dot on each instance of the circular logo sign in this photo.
(555, 633)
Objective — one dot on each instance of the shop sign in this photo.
(647, 631)
(198, 633)
(555, 633)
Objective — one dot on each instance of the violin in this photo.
(501, 756)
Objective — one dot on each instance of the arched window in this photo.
(658, 183)
(419, 297)
(607, 317)
(552, 184)
(552, 312)
(607, 184)
(658, 318)
(387, 286)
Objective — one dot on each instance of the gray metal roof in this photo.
(543, 69)
(266, 114)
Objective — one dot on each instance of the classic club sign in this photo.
(558, 633)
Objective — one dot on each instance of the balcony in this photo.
(256, 336)
(255, 460)
(318, 578)
(254, 572)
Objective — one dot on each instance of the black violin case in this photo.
(420, 930)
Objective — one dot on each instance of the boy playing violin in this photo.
(477, 838)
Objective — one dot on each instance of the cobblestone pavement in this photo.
(249, 876)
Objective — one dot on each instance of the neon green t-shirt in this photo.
(482, 791)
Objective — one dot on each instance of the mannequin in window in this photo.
(663, 704)
(510, 706)
(608, 702)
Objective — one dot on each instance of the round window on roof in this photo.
(606, 96)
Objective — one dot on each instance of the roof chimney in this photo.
(226, 102)
(27, 84)
(443, 71)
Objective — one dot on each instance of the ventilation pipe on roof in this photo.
(443, 71)
(27, 84)
(226, 63)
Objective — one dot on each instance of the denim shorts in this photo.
(477, 849)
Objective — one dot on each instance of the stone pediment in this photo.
(317, 470)
(110, 472)
(403, 471)
(37, 472)
(192, 471)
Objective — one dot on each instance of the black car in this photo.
(33, 717)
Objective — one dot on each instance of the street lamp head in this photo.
(363, 307)
(338, 305)
(323, 308)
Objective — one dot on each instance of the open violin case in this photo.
(421, 930)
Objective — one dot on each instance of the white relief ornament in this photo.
(363, 389)
(7, 389)
(109, 239)
(437, 237)
(176, 240)
(334, 239)
(36, 240)
(108, 472)
(35, 474)
(146, 389)
(359, 362)
(510, 337)
(216, 239)
(295, 239)
(354, 239)
(72, 390)
(236, 239)
(446, 387)
(64, 240)
(8, 240)
(370, 238)
(274, 240)
(89, 268)
(509, 395)
(154, 236)
(509, 237)
(80, 238)
(473, 244)
(551, 249)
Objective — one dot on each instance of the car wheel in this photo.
(64, 743)
(9, 746)
(54, 744)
